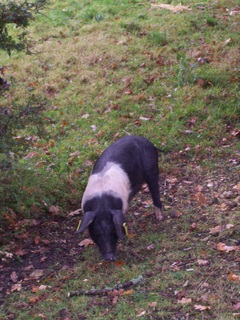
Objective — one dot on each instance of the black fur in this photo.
(138, 157)
(103, 214)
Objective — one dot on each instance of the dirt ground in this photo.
(49, 242)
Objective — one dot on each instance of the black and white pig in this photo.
(116, 177)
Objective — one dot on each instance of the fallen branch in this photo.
(106, 290)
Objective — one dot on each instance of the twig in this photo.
(106, 290)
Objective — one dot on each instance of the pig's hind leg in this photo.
(152, 178)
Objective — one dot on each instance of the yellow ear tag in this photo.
(125, 228)
(79, 223)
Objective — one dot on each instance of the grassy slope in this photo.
(109, 68)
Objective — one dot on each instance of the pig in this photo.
(117, 176)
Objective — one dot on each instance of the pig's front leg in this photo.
(158, 213)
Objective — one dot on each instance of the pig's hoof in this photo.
(109, 257)
(158, 213)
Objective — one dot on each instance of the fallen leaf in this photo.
(36, 274)
(216, 230)
(54, 210)
(6, 254)
(185, 300)
(201, 82)
(229, 40)
(201, 308)
(199, 188)
(171, 179)
(74, 213)
(128, 92)
(199, 197)
(128, 292)
(153, 304)
(94, 128)
(119, 263)
(193, 226)
(37, 239)
(236, 315)
(34, 299)
(144, 118)
(14, 276)
(236, 306)
(174, 9)
(142, 313)
(202, 262)
(85, 243)
(223, 247)
(31, 155)
(100, 134)
(16, 287)
(115, 299)
(233, 277)
(40, 164)
(237, 187)
(85, 116)
(151, 247)
(35, 289)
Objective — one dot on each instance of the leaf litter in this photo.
(49, 246)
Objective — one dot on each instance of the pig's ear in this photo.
(87, 219)
(118, 219)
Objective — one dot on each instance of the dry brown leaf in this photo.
(151, 247)
(201, 308)
(100, 134)
(85, 243)
(35, 289)
(199, 197)
(32, 154)
(199, 188)
(185, 300)
(16, 287)
(40, 164)
(14, 276)
(171, 179)
(34, 299)
(229, 40)
(223, 247)
(193, 226)
(237, 187)
(128, 292)
(216, 230)
(54, 210)
(174, 9)
(236, 306)
(74, 213)
(152, 304)
(141, 313)
(119, 263)
(233, 277)
(115, 299)
(37, 274)
(202, 262)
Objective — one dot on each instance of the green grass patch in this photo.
(110, 68)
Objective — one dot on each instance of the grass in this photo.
(109, 68)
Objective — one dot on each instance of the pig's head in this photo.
(105, 228)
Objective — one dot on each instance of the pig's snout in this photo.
(109, 256)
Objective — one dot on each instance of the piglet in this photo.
(116, 177)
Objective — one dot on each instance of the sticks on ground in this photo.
(106, 290)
